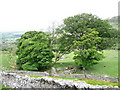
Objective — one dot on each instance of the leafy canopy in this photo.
(34, 51)
(86, 35)
(86, 53)
(76, 25)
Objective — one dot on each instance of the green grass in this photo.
(7, 60)
(97, 82)
(108, 66)
(2, 87)
(4, 59)
(89, 81)
(68, 61)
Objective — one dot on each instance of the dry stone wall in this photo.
(105, 78)
(109, 79)
(16, 81)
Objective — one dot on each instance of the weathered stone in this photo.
(16, 81)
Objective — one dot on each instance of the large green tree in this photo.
(86, 34)
(60, 44)
(86, 53)
(75, 26)
(34, 52)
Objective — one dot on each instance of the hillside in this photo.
(10, 35)
(8, 40)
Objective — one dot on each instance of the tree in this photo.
(75, 26)
(114, 21)
(60, 43)
(86, 53)
(34, 51)
(86, 35)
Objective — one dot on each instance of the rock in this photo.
(116, 87)
(15, 81)
(67, 72)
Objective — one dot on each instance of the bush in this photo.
(87, 58)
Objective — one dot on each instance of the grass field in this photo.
(108, 66)
(68, 61)
(7, 60)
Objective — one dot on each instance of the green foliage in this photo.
(114, 21)
(85, 34)
(82, 33)
(86, 58)
(76, 26)
(34, 52)
(86, 53)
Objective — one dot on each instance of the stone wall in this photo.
(29, 73)
(16, 81)
(105, 78)
(102, 78)
(68, 72)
